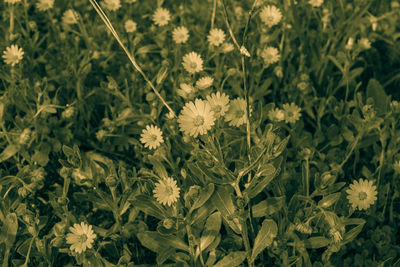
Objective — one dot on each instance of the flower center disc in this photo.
(82, 238)
(193, 65)
(362, 195)
(153, 137)
(239, 113)
(198, 120)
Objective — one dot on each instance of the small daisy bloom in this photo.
(180, 35)
(270, 15)
(270, 55)
(350, 44)
(70, 17)
(151, 137)
(196, 118)
(216, 37)
(130, 26)
(227, 47)
(166, 191)
(185, 91)
(13, 55)
(204, 82)
(81, 237)
(112, 5)
(364, 43)
(44, 5)
(192, 62)
(292, 112)
(236, 114)
(362, 194)
(161, 16)
(12, 1)
(276, 115)
(219, 104)
(316, 3)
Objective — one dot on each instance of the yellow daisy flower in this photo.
(216, 37)
(316, 3)
(196, 118)
(13, 55)
(112, 5)
(44, 5)
(166, 191)
(204, 82)
(186, 90)
(292, 112)
(70, 17)
(219, 104)
(130, 26)
(161, 16)
(236, 114)
(270, 55)
(276, 115)
(270, 15)
(151, 137)
(362, 194)
(81, 237)
(192, 62)
(180, 35)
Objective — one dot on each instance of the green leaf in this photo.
(264, 238)
(350, 235)
(377, 93)
(259, 183)
(158, 167)
(233, 259)
(222, 200)
(149, 206)
(204, 195)
(41, 156)
(157, 242)
(211, 230)
(200, 215)
(9, 229)
(316, 242)
(8, 152)
(268, 207)
(164, 254)
(278, 149)
(329, 200)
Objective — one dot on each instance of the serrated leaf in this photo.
(329, 200)
(316, 242)
(157, 242)
(204, 195)
(210, 231)
(268, 207)
(233, 259)
(8, 152)
(264, 238)
(222, 200)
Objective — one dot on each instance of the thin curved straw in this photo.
(107, 22)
